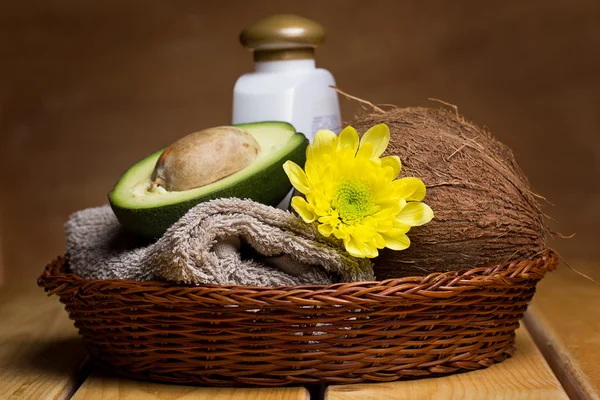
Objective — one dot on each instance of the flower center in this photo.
(353, 200)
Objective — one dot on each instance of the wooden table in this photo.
(564, 319)
(526, 375)
(98, 387)
(40, 352)
(42, 357)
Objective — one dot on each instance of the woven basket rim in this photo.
(56, 278)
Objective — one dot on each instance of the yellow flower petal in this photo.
(372, 251)
(385, 225)
(353, 248)
(359, 249)
(325, 230)
(364, 232)
(323, 139)
(331, 219)
(379, 240)
(348, 139)
(312, 171)
(415, 214)
(396, 238)
(394, 163)
(321, 203)
(396, 242)
(379, 137)
(352, 194)
(323, 146)
(296, 176)
(303, 209)
(386, 214)
(365, 150)
(413, 189)
(400, 226)
(342, 232)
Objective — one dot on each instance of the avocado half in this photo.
(151, 213)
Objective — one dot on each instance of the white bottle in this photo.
(286, 85)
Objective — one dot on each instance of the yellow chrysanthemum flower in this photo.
(353, 194)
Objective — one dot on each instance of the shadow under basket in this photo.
(343, 333)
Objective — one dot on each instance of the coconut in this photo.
(485, 209)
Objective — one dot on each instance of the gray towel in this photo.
(224, 241)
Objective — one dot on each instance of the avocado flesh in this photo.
(150, 212)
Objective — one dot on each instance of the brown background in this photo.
(87, 88)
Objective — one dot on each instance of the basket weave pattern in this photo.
(343, 333)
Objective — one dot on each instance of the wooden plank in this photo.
(564, 319)
(40, 351)
(524, 376)
(102, 387)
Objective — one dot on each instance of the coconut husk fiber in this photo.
(485, 209)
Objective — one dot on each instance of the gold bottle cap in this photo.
(283, 37)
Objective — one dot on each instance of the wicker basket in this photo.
(343, 333)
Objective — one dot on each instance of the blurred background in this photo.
(88, 88)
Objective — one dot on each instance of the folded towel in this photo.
(224, 241)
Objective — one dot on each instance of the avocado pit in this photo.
(204, 157)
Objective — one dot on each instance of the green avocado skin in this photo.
(268, 186)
